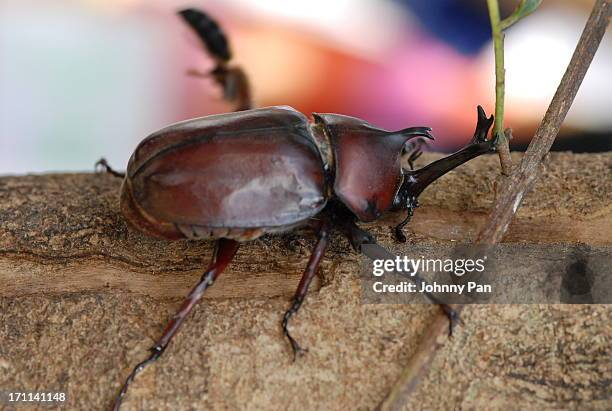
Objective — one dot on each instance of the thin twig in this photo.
(511, 194)
(419, 364)
(503, 150)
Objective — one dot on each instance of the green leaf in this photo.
(525, 8)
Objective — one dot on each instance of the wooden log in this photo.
(63, 232)
(82, 297)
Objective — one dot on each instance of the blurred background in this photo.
(82, 79)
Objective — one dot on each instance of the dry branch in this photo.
(523, 179)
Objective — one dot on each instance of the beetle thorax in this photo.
(363, 162)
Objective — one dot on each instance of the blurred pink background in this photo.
(91, 78)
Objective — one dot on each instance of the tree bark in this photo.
(64, 233)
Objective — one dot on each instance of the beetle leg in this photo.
(225, 250)
(197, 73)
(232, 79)
(235, 85)
(307, 277)
(355, 235)
(398, 231)
(412, 158)
(453, 317)
(414, 151)
(103, 164)
(358, 237)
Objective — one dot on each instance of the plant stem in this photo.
(500, 83)
(515, 187)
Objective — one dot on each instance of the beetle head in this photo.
(367, 159)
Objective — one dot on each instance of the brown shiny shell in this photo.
(256, 169)
(368, 172)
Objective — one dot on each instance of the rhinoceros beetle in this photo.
(237, 176)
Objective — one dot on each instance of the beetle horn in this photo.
(483, 125)
(478, 145)
(413, 132)
(401, 137)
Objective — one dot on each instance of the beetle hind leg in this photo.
(102, 164)
(358, 237)
(307, 277)
(225, 250)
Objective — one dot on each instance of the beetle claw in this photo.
(101, 165)
(400, 237)
(399, 233)
(296, 348)
(453, 316)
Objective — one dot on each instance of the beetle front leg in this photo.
(224, 253)
(307, 277)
